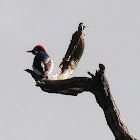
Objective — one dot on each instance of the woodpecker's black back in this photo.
(41, 57)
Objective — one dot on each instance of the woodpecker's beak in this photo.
(30, 51)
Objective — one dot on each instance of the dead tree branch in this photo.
(73, 55)
(97, 84)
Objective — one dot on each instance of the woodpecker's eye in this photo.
(35, 49)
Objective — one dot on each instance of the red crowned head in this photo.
(37, 49)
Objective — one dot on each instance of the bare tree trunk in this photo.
(97, 84)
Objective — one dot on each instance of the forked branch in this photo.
(97, 84)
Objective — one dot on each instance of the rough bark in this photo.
(73, 55)
(97, 84)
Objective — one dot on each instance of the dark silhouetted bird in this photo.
(42, 64)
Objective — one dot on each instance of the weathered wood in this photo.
(106, 102)
(72, 86)
(97, 84)
(73, 55)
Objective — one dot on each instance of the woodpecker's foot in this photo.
(44, 77)
(39, 83)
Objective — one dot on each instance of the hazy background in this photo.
(112, 38)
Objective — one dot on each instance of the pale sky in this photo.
(112, 38)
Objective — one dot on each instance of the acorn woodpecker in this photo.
(42, 64)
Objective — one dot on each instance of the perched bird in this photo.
(42, 64)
